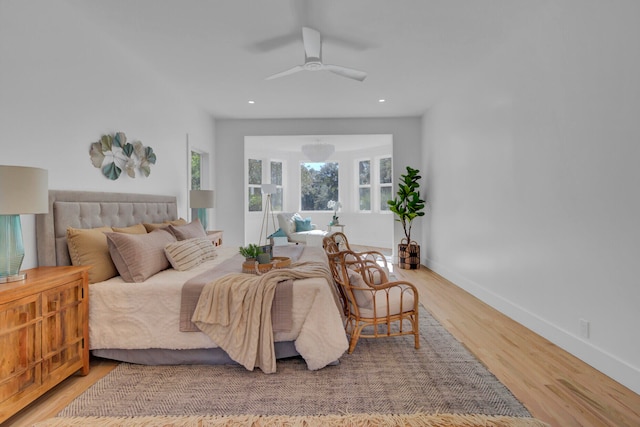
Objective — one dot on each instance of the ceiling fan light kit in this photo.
(313, 59)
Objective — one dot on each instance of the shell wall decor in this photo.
(113, 154)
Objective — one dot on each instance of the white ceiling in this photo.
(218, 52)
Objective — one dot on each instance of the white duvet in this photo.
(146, 315)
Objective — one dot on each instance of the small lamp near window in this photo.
(267, 189)
(200, 201)
(23, 190)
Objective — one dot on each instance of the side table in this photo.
(215, 236)
(331, 226)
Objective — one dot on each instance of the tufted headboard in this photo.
(84, 209)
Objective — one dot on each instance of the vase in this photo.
(264, 258)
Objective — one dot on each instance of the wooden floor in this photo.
(555, 386)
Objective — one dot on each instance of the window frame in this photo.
(381, 185)
(360, 186)
(300, 194)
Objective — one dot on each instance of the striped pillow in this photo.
(186, 254)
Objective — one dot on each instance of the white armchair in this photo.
(287, 222)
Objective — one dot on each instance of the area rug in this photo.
(382, 376)
(360, 420)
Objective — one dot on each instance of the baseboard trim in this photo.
(600, 359)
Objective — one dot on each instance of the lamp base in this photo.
(13, 278)
(11, 248)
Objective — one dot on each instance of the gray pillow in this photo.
(139, 256)
(188, 231)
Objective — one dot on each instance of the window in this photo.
(386, 175)
(255, 184)
(196, 173)
(364, 185)
(318, 185)
(276, 178)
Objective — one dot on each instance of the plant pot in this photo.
(264, 258)
(408, 255)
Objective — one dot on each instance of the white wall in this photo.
(64, 83)
(229, 172)
(533, 181)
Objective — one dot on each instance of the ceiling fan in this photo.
(313, 59)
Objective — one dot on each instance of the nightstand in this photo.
(44, 334)
(215, 236)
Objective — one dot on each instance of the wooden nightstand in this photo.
(44, 333)
(215, 236)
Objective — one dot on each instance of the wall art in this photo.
(113, 154)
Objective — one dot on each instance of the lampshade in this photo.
(269, 188)
(200, 199)
(23, 190)
(318, 152)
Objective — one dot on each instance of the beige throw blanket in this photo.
(235, 311)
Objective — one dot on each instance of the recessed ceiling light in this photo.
(252, 102)
(382, 100)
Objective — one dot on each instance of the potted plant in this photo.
(250, 252)
(407, 206)
(335, 205)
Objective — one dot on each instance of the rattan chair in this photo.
(374, 306)
(341, 241)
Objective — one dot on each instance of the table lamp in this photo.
(23, 190)
(200, 201)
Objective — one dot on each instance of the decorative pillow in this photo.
(183, 255)
(192, 230)
(89, 247)
(285, 221)
(179, 221)
(278, 233)
(133, 229)
(303, 225)
(364, 298)
(186, 254)
(139, 256)
(150, 227)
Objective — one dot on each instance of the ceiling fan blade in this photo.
(275, 43)
(346, 72)
(312, 42)
(286, 72)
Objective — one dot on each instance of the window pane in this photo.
(195, 170)
(365, 172)
(385, 194)
(365, 199)
(255, 171)
(385, 171)
(276, 173)
(318, 185)
(276, 201)
(255, 199)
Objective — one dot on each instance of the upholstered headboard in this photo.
(84, 209)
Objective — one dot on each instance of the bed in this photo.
(140, 322)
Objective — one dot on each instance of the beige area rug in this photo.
(359, 420)
(382, 376)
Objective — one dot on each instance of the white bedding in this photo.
(146, 315)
